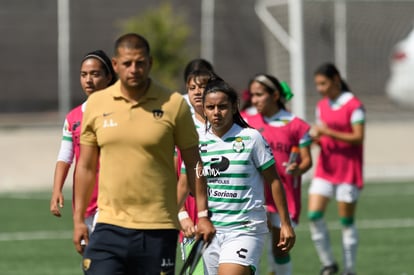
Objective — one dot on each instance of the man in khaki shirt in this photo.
(134, 126)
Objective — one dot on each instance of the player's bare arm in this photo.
(85, 177)
(197, 183)
(354, 137)
(182, 190)
(287, 234)
(57, 201)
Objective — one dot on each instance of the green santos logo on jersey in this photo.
(238, 145)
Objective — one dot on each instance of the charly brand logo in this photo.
(157, 113)
(220, 163)
(202, 148)
(242, 253)
(238, 145)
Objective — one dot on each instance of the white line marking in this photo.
(60, 235)
(35, 235)
(32, 196)
(370, 224)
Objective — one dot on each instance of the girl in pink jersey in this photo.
(339, 132)
(96, 73)
(247, 109)
(283, 131)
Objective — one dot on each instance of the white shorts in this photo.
(343, 192)
(274, 219)
(233, 247)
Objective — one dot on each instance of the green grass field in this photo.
(34, 242)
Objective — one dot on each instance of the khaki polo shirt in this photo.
(137, 180)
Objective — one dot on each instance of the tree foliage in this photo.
(167, 32)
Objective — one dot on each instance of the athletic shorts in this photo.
(116, 250)
(233, 247)
(343, 192)
(274, 219)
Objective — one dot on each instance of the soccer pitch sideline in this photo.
(34, 242)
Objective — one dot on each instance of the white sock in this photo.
(320, 237)
(349, 247)
(284, 269)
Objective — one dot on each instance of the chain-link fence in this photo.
(372, 29)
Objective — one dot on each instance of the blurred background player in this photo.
(96, 73)
(247, 109)
(196, 74)
(283, 132)
(339, 131)
(195, 65)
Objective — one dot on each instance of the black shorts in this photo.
(114, 250)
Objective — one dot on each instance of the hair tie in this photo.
(286, 91)
(92, 55)
(265, 81)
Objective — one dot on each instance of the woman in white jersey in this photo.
(195, 83)
(236, 161)
(339, 132)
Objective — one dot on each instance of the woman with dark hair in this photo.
(247, 109)
(198, 64)
(286, 135)
(196, 74)
(339, 131)
(236, 160)
(96, 73)
(195, 84)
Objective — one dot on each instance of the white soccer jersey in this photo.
(200, 126)
(232, 165)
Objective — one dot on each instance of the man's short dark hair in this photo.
(131, 41)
